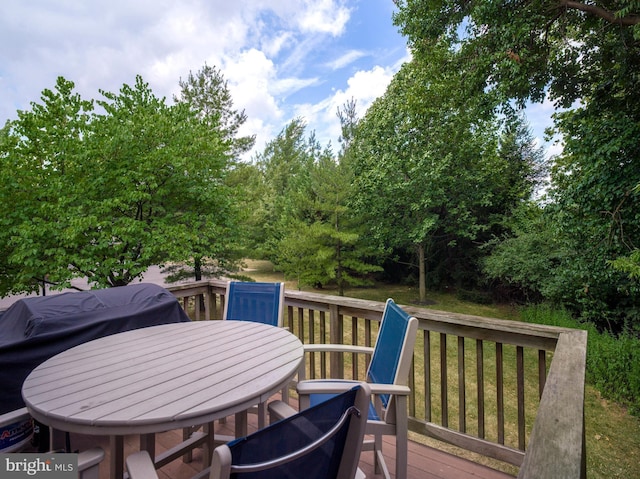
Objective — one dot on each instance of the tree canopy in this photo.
(522, 50)
(438, 176)
(585, 57)
(429, 175)
(311, 234)
(104, 194)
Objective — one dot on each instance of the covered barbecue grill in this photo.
(34, 329)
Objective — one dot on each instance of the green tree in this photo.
(311, 237)
(423, 159)
(585, 57)
(283, 165)
(522, 50)
(526, 260)
(207, 94)
(40, 154)
(595, 206)
(630, 264)
(111, 194)
(323, 245)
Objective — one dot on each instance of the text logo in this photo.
(39, 466)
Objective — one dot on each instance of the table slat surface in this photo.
(162, 377)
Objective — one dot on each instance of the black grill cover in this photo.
(34, 329)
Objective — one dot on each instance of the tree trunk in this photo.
(339, 257)
(339, 271)
(422, 281)
(197, 269)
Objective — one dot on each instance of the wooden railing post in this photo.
(336, 360)
(557, 446)
(207, 304)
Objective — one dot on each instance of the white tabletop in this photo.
(162, 377)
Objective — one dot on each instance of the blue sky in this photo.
(282, 58)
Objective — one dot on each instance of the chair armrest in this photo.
(14, 416)
(89, 463)
(324, 386)
(90, 457)
(279, 410)
(394, 389)
(330, 348)
(140, 466)
(337, 348)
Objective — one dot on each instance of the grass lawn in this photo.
(613, 436)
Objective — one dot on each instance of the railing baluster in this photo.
(289, 320)
(312, 338)
(336, 333)
(500, 392)
(323, 340)
(520, 394)
(444, 406)
(196, 306)
(427, 374)
(367, 341)
(301, 322)
(542, 371)
(412, 385)
(354, 341)
(480, 385)
(462, 403)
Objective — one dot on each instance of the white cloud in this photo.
(250, 76)
(346, 59)
(364, 87)
(288, 86)
(272, 52)
(324, 16)
(271, 46)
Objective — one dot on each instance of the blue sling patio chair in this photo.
(258, 302)
(387, 375)
(321, 442)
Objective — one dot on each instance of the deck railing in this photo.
(507, 390)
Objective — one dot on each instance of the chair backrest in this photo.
(393, 351)
(258, 302)
(321, 442)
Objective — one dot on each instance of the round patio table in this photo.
(162, 378)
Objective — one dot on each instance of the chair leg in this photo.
(401, 457)
(209, 445)
(186, 434)
(262, 415)
(381, 465)
(402, 437)
(378, 460)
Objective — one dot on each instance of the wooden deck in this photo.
(424, 462)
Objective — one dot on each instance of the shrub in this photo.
(613, 362)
